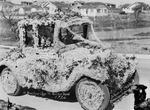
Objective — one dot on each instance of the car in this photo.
(55, 55)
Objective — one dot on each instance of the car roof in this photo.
(67, 20)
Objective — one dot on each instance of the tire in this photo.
(92, 96)
(10, 83)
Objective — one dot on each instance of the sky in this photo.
(117, 2)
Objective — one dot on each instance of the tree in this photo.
(8, 15)
(9, 18)
(138, 7)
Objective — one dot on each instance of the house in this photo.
(123, 6)
(80, 2)
(53, 6)
(47, 6)
(26, 8)
(126, 8)
(62, 5)
(29, 9)
(94, 9)
(112, 8)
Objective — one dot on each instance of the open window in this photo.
(84, 31)
(67, 34)
(45, 36)
(29, 41)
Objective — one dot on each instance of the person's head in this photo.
(138, 87)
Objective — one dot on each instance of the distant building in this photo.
(27, 10)
(61, 5)
(42, 6)
(23, 8)
(80, 2)
(53, 6)
(126, 8)
(94, 9)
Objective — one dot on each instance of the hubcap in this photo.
(91, 95)
(9, 82)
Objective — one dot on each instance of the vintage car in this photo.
(55, 54)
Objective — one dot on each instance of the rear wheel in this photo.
(92, 96)
(10, 83)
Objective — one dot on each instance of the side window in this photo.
(66, 37)
(80, 30)
(98, 10)
(28, 36)
(46, 35)
(105, 10)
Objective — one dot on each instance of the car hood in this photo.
(96, 63)
(110, 65)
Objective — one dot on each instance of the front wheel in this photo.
(10, 83)
(92, 96)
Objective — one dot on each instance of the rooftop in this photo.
(124, 6)
(93, 5)
(61, 5)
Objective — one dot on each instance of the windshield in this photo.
(85, 30)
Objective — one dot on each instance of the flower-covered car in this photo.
(54, 55)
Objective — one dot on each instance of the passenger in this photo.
(140, 103)
(46, 34)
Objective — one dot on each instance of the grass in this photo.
(119, 22)
(131, 46)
